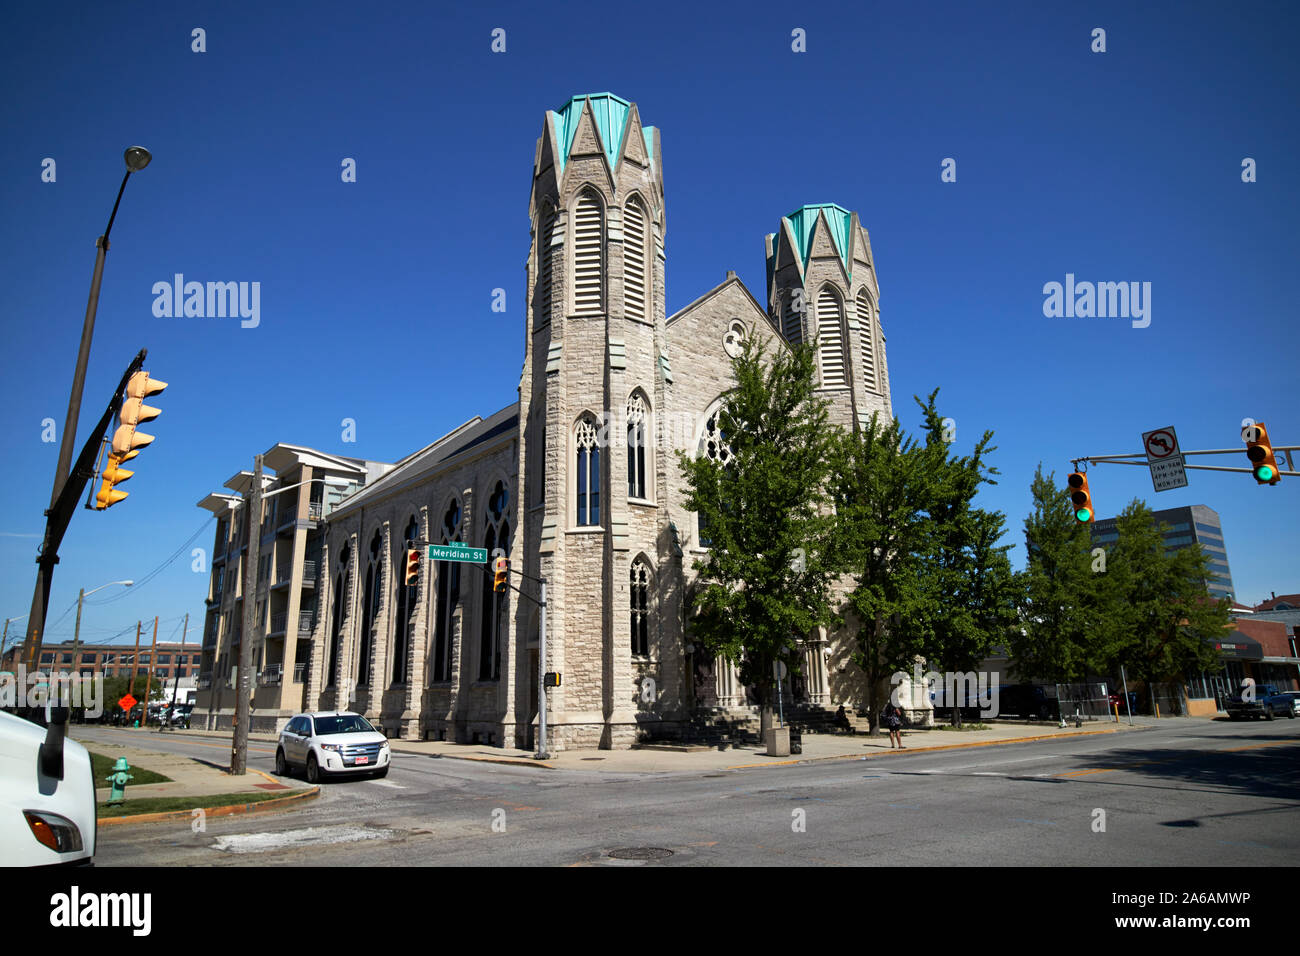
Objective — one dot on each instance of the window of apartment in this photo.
(1209, 530)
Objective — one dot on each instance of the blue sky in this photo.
(376, 295)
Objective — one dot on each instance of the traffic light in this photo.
(127, 442)
(501, 567)
(412, 566)
(1081, 498)
(1259, 450)
(114, 474)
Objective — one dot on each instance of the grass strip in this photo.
(102, 766)
(165, 804)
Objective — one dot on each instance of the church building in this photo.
(576, 480)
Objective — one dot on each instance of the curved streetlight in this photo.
(136, 158)
(76, 640)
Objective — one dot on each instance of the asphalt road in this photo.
(1191, 793)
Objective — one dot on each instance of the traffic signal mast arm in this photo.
(1121, 459)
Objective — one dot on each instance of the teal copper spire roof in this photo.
(804, 220)
(610, 113)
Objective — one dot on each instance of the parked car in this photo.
(1263, 700)
(1294, 696)
(1026, 700)
(337, 742)
(1117, 700)
(47, 794)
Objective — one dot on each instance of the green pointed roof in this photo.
(804, 220)
(610, 113)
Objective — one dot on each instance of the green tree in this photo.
(764, 513)
(1166, 618)
(972, 592)
(1062, 628)
(883, 483)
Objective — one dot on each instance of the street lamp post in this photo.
(137, 158)
(76, 638)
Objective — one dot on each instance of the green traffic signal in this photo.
(1264, 473)
(1083, 514)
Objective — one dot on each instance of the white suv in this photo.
(338, 742)
(47, 795)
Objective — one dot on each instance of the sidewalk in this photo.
(665, 759)
(190, 777)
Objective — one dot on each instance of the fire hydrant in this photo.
(118, 779)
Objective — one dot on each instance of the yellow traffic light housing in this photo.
(1263, 461)
(1081, 497)
(114, 474)
(126, 440)
(501, 569)
(412, 566)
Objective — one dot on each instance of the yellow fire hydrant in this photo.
(118, 779)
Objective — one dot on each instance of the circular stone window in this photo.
(733, 341)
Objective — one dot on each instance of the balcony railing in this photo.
(205, 681)
(309, 572)
(315, 510)
(299, 672)
(279, 622)
(306, 623)
(272, 675)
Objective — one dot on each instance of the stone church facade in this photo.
(577, 481)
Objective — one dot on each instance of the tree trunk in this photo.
(873, 706)
(956, 715)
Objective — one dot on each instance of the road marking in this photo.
(1045, 823)
(385, 783)
(261, 842)
(987, 773)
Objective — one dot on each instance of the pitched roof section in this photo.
(610, 113)
(803, 221)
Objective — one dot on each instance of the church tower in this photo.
(821, 287)
(591, 472)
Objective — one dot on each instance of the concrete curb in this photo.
(262, 806)
(509, 761)
(936, 747)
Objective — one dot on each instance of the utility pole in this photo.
(176, 684)
(239, 746)
(153, 661)
(135, 659)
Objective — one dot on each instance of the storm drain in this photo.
(640, 853)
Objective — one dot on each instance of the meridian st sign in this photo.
(457, 552)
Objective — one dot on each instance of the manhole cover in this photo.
(641, 853)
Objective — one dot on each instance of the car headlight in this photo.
(333, 747)
(58, 833)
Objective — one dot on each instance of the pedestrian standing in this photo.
(894, 724)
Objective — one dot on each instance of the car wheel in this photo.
(313, 770)
(381, 774)
(281, 770)
(1290, 715)
(1234, 716)
(1268, 713)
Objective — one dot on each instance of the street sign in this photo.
(1164, 459)
(127, 702)
(457, 552)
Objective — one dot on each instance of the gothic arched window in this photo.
(638, 432)
(635, 258)
(585, 438)
(370, 600)
(588, 256)
(830, 338)
(405, 604)
(867, 328)
(715, 445)
(448, 595)
(496, 536)
(545, 235)
(640, 608)
(340, 585)
(792, 311)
